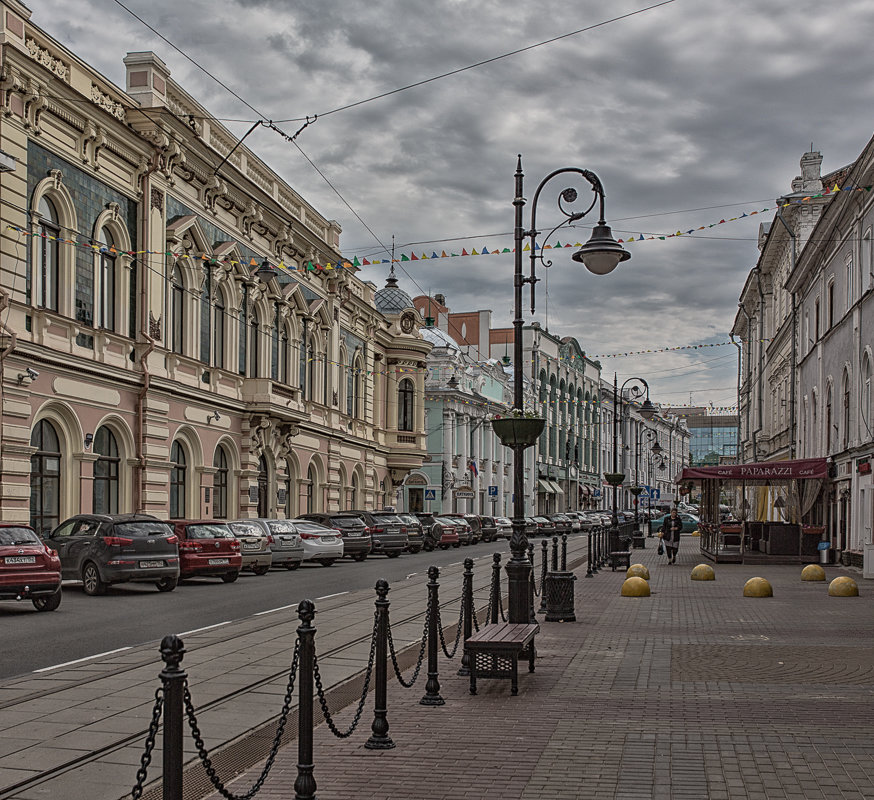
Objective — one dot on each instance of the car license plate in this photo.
(329, 539)
(217, 562)
(353, 534)
(151, 564)
(20, 559)
(251, 546)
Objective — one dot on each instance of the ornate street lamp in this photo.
(642, 433)
(654, 455)
(600, 255)
(647, 411)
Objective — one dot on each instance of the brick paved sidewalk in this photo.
(694, 692)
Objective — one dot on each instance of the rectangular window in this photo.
(830, 309)
(816, 320)
(218, 352)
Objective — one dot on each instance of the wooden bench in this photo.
(494, 652)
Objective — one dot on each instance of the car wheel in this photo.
(49, 603)
(393, 554)
(166, 584)
(230, 577)
(92, 581)
(429, 547)
(359, 557)
(415, 550)
(292, 565)
(444, 546)
(457, 544)
(327, 562)
(263, 569)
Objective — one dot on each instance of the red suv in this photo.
(207, 547)
(29, 569)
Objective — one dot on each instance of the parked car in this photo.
(545, 526)
(451, 534)
(208, 548)
(254, 545)
(104, 549)
(484, 527)
(504, 527)
(437, 532)
(286, 545)
(357, 542)
(414, 532)
(29, 568)
(465, 532)
(531, 528)
(320, 543)
(562, 523)
(574, 519)
(690, 522)
(387, 532)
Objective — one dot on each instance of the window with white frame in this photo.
(106, 281)
(48, 255)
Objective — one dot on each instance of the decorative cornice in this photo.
(42, 56)
(104, 101)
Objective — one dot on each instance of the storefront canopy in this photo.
(765, 471)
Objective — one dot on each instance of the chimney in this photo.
(440, 299)
(146, 79)
(810, 179)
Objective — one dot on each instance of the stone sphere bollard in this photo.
(637, 571)
(813, 572)
(758, 587)
(843, 587)
(703, 572)
(635, 587)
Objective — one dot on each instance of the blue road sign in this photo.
(430, 494)
(493, 491)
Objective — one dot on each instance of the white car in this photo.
(505, 527)
(321, 544)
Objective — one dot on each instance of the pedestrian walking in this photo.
(670, 535)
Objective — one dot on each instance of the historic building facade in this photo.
(180, 335)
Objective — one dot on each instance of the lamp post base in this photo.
(519, 575)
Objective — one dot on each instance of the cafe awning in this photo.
(556, 487)
(761, 472)
(545, 486)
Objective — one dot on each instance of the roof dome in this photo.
(438, 338)
(392, 299)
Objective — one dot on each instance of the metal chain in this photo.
(143, 771)
(394, 657)
(449, 655)
(473, 615)
(274, 749)
(533, 581)
(501, 607)
(323, 701)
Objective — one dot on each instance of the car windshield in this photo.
(18, 536)
(503, 521)
(280, 526)
(385, 519)
(346, 523)
(407, 519)
(220, 531)
(304, 526)
(245, 529)
(446, 520)
(142, 528)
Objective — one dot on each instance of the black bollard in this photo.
(379, 738)
(531, 613)
(467, 613)
(564, 552)
(432, 686)
(544, 563)
(589, 572)
(305, 784)
(495, 595)
(555, 553)
(173, 678)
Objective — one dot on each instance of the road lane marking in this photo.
(206, 628)
(336, 594)
(412, 574)
(271, 610)
(80, 660)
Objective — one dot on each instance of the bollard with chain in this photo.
(305, 784)
(564, 552)
(467, 612)
(495, 599)
(379, 738)
(589, 572)
(531, 587)
(544, 563)
(432, 686)
(173, 678)
(602, 546)
(555, 553)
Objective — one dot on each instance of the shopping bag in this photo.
(661, 550)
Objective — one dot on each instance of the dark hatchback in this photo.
(415, 534)
(29, 569)
(485, 527)
(357, 542)
(103, 549)
(208, 547)
(387, 532)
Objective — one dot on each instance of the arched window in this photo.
(311, 491)
(47, 254)
(356, 491)
(311, 370)
(290, 485)
(206, 307)
(284, 357)
(865, 427)
(358, 370)
(177, 481)
(220, 484)
(218, 329)
(177, 310)
(105, 492)
(845, 424)
(814, 445)
(254, 361)
(243, 332)
(405, 405)
(828, 420)
(350, 388)
(45, 478)
(275, 339)
(106, 283)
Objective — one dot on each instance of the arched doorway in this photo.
(45, 478)
(263, 487)
(105, 492)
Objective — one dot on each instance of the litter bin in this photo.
(823, 548)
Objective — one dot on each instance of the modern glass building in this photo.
(714, 437)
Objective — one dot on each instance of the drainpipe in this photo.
(13, 341)
(739, 352)
(761, 383)
(792, 389)
(140, 483)
(749, 372)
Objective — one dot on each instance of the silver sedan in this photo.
(321, 544)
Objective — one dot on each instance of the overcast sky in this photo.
(690, 112)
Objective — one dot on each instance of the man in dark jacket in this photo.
(670, 535)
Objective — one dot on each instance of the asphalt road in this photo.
(132, 614)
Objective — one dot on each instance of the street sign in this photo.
(596, 492)
(464, 495)
(430, 494)
(823, 545)
(493, 491)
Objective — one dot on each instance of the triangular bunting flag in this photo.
(404, 257)
(356, 262)
(413, 257)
